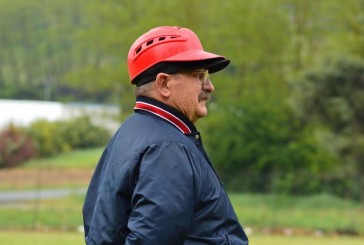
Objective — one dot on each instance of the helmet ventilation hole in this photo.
(154, 41)
(149, 42)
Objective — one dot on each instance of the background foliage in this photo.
(290, 103)
(44, 139)
(15, 146)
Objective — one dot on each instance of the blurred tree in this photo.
(332, 97)
(38, 37)
(74, 49)
(348, 32)
(253, 34)
(259, 145)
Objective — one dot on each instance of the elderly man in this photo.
(154, 183)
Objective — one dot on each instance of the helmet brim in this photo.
(195, 59)
(190, 60)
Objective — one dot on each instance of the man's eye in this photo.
(198, 75)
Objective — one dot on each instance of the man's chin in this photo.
(203, 112)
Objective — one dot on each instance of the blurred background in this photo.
(285, 128)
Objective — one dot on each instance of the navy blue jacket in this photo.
(155, 185)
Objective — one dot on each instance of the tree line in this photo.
(287, 115)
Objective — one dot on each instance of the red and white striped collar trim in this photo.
(167, 113)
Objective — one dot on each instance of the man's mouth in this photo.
(204, 97)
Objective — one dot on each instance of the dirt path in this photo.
(29, 178)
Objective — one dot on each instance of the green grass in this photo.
(41, 238)
(79, 158)
(58, 214)
(304, 240)
(322, 212)
(319, 212)
(69, 238)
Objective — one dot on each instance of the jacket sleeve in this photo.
(163, 197)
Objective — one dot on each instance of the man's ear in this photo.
(163, 84)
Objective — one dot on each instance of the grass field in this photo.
(321, 212)
(59, 214)
(303, 215)
(41, 238)
(300, 217)
(76, 159)
(69, 238)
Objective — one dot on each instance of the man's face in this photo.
(190, 92)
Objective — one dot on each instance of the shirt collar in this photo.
(165, 112)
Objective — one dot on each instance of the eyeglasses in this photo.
(202, 76)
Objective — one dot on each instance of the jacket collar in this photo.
(165, 112)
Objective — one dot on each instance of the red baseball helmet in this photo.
(170, 44)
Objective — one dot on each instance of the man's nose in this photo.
(208, 86)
